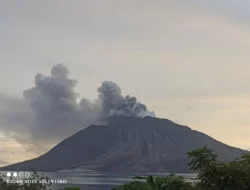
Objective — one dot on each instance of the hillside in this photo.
(128, 145)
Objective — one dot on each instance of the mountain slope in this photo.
(2, 163)
(128, 145)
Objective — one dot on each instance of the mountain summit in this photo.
(128, 145)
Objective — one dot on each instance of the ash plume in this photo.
(114, 104)
(50, 112)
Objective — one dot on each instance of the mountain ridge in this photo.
(128, 145)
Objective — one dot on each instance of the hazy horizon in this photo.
(186, 60)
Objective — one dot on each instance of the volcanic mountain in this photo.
(128, 145)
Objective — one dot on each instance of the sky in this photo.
(187, 60)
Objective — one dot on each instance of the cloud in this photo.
(49, 111)
(188, 107)
(3, 163)
(114, 104)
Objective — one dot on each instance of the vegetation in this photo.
(211, 175)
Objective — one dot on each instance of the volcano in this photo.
(128, 145)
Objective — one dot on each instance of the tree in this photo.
(211, 174)
(170, 182)
(216, 175)
(135, 185)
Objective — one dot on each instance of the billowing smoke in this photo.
(50, 112)
(114, 104)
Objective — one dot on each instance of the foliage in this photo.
(216, 175)
(171, 182)
(140, 177)
(211, 174)
(135, 185)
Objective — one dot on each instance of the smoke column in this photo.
(49, 111)
(114, 104)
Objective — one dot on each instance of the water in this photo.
(92, 180)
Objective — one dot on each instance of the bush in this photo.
(212, 175)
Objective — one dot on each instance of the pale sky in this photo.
(188, 60)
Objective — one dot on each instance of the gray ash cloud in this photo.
(50, 112)
(115, 104)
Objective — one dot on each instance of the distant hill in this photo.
(2, 163)
(128, 145)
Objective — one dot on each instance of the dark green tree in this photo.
(216, 175)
